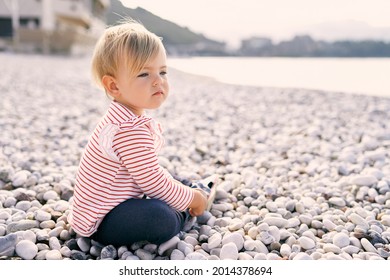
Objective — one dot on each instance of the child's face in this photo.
(147, 89)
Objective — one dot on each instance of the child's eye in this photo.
(143, 75)
(163, 73)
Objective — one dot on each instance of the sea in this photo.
(367, 76)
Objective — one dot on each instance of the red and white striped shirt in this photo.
(121, 162)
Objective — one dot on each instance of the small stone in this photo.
(47, 224)
(195, 256)
(350, 249)
(341, 240)
(329, 247)
(285, 250)
(364, 180)
(41, 216)
(65, 251)
(368, 246)
(109, 252)
(54, 243)
(144, 255)
(328, 224)
(84, 244)
(54, 255)
(177, 255)
(42, 235)
(306, 243)
(78, 255)
(26, 249)
(185, 247)
(250, 245)
(20, 178)
(22, 225)
(302, 256)
(50, 195)
(244, 256)
(337, 201)
(236, 224)
(215, 240)
(358, 220)
(7, 242)
(171, 243)
(23, 205)
(260, 256)
(234, 237)
(229, 251)
(276, 221)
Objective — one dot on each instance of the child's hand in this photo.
(198, 204)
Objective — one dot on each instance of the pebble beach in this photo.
(305, 174)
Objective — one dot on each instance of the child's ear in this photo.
(110, 85)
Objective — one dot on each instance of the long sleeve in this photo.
(136, 150)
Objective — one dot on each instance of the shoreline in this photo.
(306, 173)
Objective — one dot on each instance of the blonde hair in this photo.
(129, 43)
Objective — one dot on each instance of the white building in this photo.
(51, 26)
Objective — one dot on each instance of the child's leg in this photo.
(138, 220)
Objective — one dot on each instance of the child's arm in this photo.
(135, 149)
(198, 203)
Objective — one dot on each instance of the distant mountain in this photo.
(177, 40)
(347, 30)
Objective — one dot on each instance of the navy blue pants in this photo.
(139, 220)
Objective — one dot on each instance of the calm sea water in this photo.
(369, 76)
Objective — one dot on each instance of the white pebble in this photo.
(215, 240)
(53, 255)
(234, 237)
(368, 246)
(341, 239)
(302, 256)
(229, 251)
(306, 242)
(26, 249)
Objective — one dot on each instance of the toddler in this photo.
(119, 166)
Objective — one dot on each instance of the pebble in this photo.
(235, 238)
(341, 240)
(302, 256)
(364, 180)
(229, 251)
(168, 245)
(312, 182)
(368, 246)
(53, 255)
(177, 255)
(8, 242)
(26, 249)
(109, 252)
(306, 243)
(215, 240)
(195, 256)
(358, 220)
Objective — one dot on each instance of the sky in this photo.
(233, 20)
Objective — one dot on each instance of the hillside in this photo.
(177, 39)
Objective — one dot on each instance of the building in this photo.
(51, 26)
(255, 46)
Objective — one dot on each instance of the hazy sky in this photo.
(232, 20)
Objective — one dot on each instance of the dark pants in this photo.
(139, 220)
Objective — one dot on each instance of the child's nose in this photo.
(157, 80)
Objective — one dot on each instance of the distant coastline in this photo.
(181, 41)
(306, 46)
